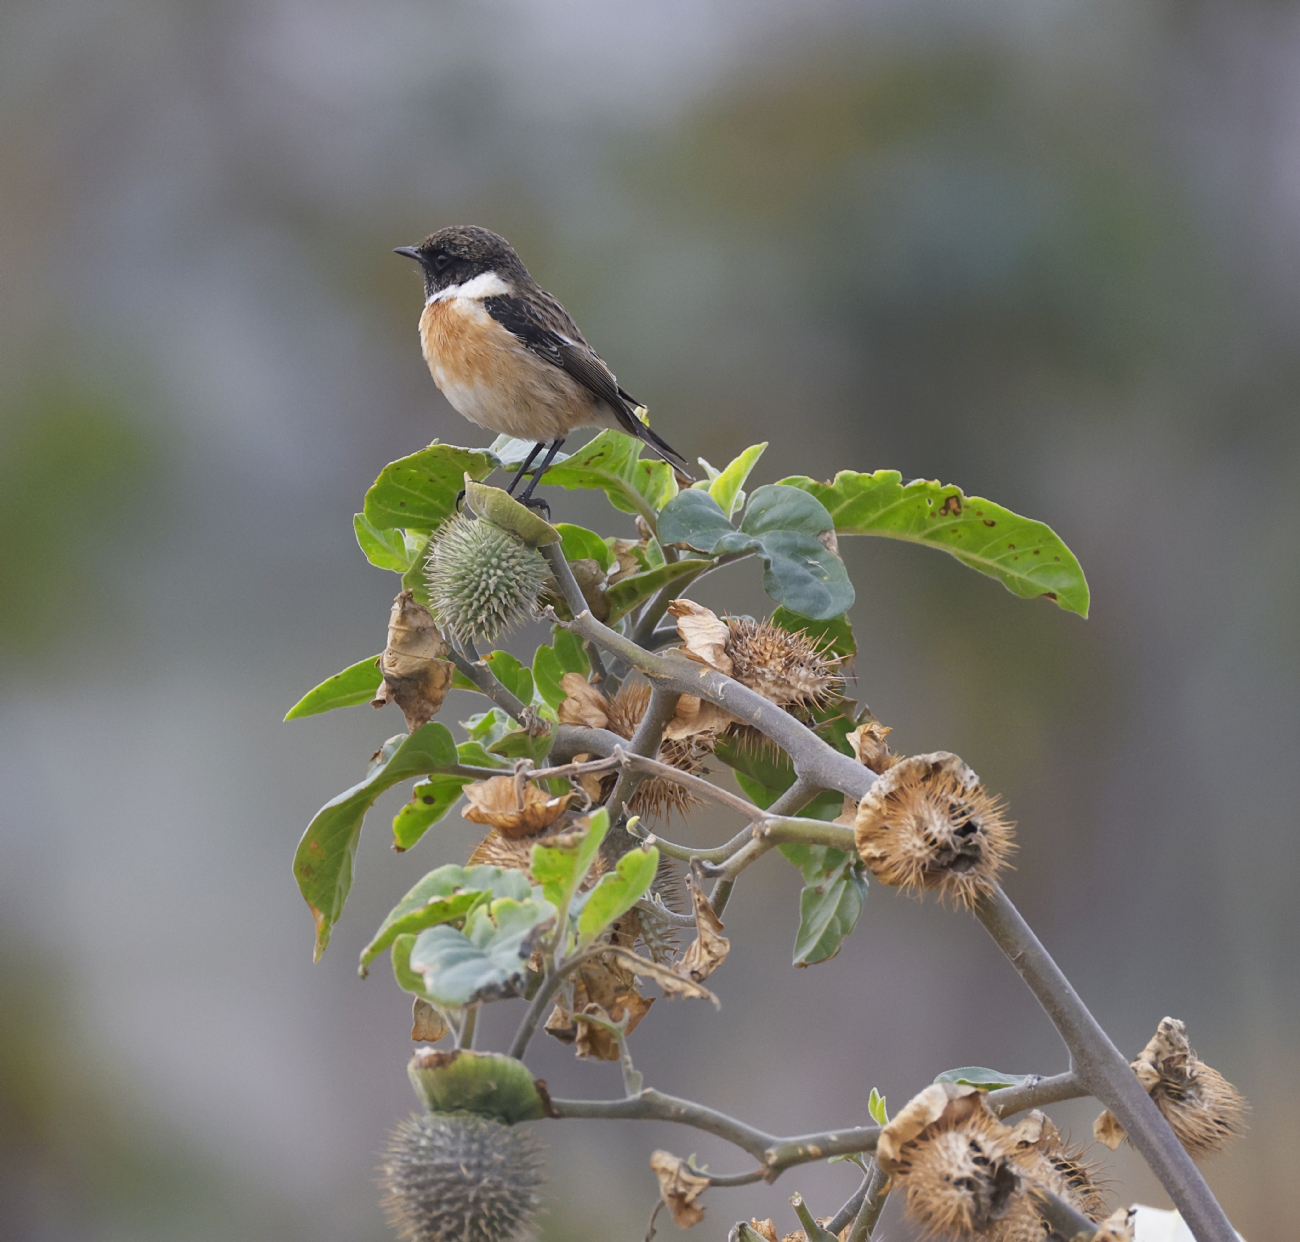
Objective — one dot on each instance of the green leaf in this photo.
(782, 528)
(443, 896)
(430, 801)
(358, 683)
(551, 663)
(488, 727)
(406, 978)
(765, 773)
(473, 755)
(511, 674)
(984, 1079)
(416, 579)
(419, 492)
(580, 544)
(485, 961)
(876, 1107)
(1026, 556)
(726, 489)
(617, 892)
(831, 901)
(834, 636)
(611, 463)
(385, 549)
(561, 868)
(323, 862)
(627, 593)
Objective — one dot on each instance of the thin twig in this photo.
(851, 1208)
(684, 853)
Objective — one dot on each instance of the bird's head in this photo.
(455, 256)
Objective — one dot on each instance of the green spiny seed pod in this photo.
(482, 579)
(459, 1177)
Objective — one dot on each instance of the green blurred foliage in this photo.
(75, 467)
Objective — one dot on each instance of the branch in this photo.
(1037, 1093)
(577, 602)
(873, 1204)
(550, 985)
(645, 744)
(1104, 1071)
(484, 678)
(773, 1153)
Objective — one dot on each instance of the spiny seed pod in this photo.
(952, 1159)
(927, 823)
(1202, 1107)
(1045, 1160)
(459, 1177)
(482, 580)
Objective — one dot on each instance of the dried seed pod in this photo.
(927, 823)
(686, 744)
(785, 666)
(952, 1159)
(459, 1177)
(514, 807)
(1202, 1107)
(1045, 1160)
(482, 580)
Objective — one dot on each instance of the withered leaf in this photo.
(679, 1188)
(427, 1025)
(669, 980)
(583, 703)
(607, 989)
(709, 949)
(416, 673)
(703, 633)
(1106, 1129)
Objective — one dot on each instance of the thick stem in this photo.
(873, 1204)
(486, 681)
(1104, 1071)
(851, 1208)
(645, 743)
(577, 602)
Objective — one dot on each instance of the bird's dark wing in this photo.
(544, 326)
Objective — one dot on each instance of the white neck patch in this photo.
(484, 285)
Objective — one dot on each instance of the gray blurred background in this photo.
(1048, 252)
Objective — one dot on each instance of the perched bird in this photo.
(506, 354)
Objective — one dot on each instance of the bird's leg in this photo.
(519, 474)
(526, 498)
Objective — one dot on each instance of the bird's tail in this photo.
(660, 445)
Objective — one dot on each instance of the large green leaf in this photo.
(1024, 555)
(727, 486)
(831, 901)
(419, 492)
(786, 532)
(486, 960)
(611, 463)
(511, 674)
(616, 893)
(443, 896)
(323, 862)
(358, 683)
(430, 801)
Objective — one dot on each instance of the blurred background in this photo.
(1048, 252)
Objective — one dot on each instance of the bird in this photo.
(509, 357)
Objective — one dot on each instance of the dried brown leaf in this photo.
(607, 988)
(583, 703)
(870, 748)
(709, 949)
(416, 673)
(1106, 1129)
(427, 1025)
(704, 634)
(668, 980)
(679, 1188)
(496, 801)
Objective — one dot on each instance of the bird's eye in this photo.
(440, 262)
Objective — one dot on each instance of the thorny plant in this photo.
(574, 906)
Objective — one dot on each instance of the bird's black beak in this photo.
(409, 252)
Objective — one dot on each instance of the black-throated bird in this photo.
(507, 355)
